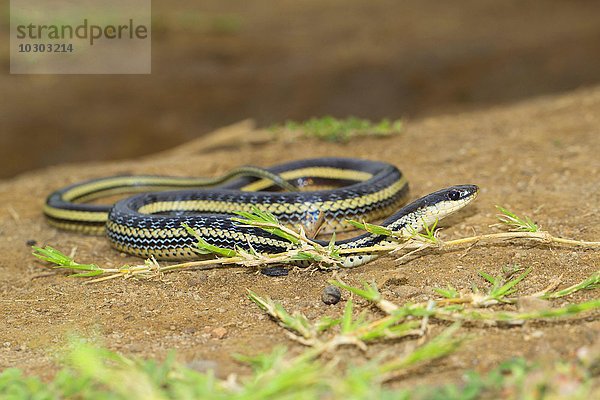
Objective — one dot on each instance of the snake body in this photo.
(331, 190)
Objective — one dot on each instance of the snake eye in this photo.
(454, 195)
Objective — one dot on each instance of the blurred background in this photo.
(216, 62)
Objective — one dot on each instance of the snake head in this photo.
(449, 200)
(429, 209)
(444, 202)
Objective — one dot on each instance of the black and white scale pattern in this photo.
(131, 230)
(147, 234)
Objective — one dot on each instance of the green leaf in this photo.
(346, 324)
(206, 248)
(263, 304)
(265, 221)
(515, 222)
(371, 228)
(332, 129)
(369, 292)
(592, 282)
(491, 279)
(507, 288)
(332, 249)
(389, 328)
(439, 346)
(61, 260)
(326, 323)
(449, 293)
(430, 230)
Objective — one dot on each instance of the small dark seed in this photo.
(274, 271)
(31, 242)
(331, 295)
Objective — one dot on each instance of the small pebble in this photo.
(331, 295)
(219, 333)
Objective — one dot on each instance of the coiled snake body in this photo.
(331, 190)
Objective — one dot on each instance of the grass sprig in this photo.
(267, 222)
(458, 306)
(501, 288)
(297, 322)
(203, 247)
(337, 130)
(60, 260)
(515, 222)
(440, 346)
(592, 282)
(414, 241)
(371, 228)
(352, 330)
(448, 293)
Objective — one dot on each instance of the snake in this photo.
(327, 192)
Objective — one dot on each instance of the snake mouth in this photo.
(473, 193)
(475, 190)
(468, 193)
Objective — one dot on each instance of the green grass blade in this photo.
(508, 287)
(61, 260)
(369, 292)
(491, 279)
(265, 221)
(203, 247)
(374, 229)
(449, 292)
(592, 282)
(516, 223)
(440, 346)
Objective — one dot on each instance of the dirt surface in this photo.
(539, 158)
(217, 62)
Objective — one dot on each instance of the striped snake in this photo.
(327, 190)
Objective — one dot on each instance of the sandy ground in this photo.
(539, 158)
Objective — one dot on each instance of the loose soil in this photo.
(538, 158)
